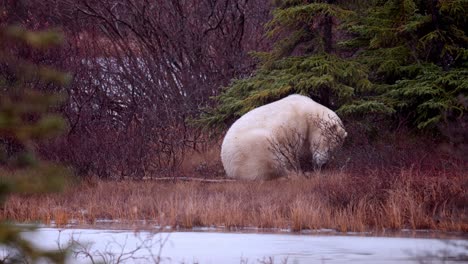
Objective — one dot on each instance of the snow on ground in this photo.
(206, 247)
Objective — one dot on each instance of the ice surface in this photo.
(206, 247)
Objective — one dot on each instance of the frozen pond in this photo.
(206, 247)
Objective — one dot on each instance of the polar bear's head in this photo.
(329, 134)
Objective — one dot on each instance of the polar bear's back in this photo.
(277, 114)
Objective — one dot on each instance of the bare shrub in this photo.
(381, 148)
(203, 162)
(141, 70)
(295, 152)
(290, 152)
(146, 244)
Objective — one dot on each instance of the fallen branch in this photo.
(175, 179)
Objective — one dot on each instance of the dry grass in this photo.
(345, 202)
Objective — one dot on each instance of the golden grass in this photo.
(345, 202)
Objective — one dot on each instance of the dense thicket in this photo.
(404, 59)
(139, 69)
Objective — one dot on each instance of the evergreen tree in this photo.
(416, 53)
(400, 57)
(25, 119)
(305, 60)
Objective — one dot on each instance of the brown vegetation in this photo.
(341, 201)
(138, 78)
(140, 71)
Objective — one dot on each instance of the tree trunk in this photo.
(328, 34)
(327, 24)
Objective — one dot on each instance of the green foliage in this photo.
(400, 58)
(307, 75)
(366, 106)
(429, 96)
(417, 51)
(302, 61)
(26, 118)
(298, 25)
(42, 39)
(412, 32)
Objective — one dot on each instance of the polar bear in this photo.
(287, 135)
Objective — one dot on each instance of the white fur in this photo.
(246, 149)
